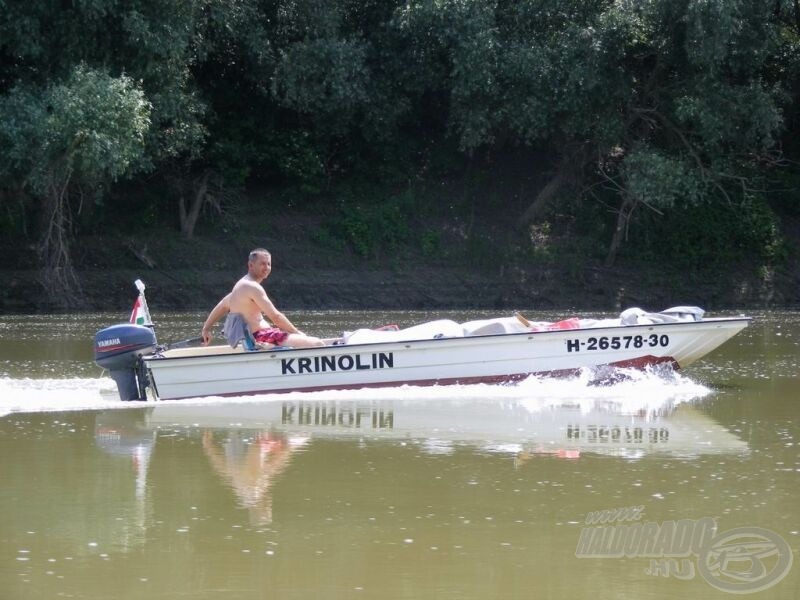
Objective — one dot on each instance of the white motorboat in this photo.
(505, 349)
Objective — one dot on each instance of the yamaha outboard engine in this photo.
(119, 349)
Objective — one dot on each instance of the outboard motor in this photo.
(119, 349)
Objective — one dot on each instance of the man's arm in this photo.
(222, 308)
(268, 309)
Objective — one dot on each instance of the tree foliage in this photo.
(65, 144)
(642, 106)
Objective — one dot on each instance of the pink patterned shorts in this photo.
(270, 335)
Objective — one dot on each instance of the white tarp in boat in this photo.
(446, 328)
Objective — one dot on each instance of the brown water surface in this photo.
(471, 492)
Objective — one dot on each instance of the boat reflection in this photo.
(565, 428)
(249, 445)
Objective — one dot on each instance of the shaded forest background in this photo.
(429, 153)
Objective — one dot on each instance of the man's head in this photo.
(259, 264)
(254, 254)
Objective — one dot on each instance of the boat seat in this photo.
(202, 351)
(217, 350)
(249, 343)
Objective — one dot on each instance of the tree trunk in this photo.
(545, 195)
(797, 15)
(568, 168)
(189, 219)
(58, 276)
(621, 231)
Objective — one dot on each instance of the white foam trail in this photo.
(637, 391)
(632, 391)
(48, 395)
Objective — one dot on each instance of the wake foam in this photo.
(629, 390)
(49, 395)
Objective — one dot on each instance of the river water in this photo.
(467, 492)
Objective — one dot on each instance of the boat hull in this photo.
(218, 371)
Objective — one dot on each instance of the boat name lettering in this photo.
(618, 342)
(337, 362)
(109, 342)
(617, 434)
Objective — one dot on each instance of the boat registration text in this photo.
(617, 342)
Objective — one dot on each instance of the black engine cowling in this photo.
(119, 348)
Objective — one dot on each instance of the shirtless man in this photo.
(250, 300)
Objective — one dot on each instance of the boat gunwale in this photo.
(281, 351)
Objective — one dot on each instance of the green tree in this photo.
(68, 142)
(646, 101)
(639, 105)
(175, 51)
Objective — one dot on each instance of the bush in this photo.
(370, 228)
(708, 235)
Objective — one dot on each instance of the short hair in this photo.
(256, 252)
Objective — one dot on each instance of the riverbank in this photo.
(309, 272)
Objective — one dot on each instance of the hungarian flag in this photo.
(139, 313)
